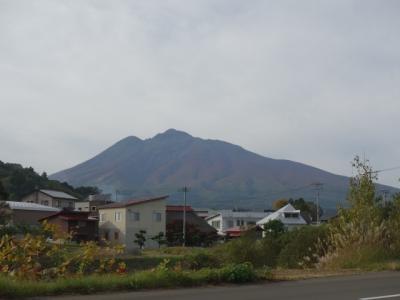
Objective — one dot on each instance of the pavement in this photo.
(370, 286)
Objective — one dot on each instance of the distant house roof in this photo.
(178, 208)
(239, 214)
(14, 205)
(131, 202)
(70, 216)
(281, 215)
(58, 194)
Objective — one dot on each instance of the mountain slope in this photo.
(219, 174)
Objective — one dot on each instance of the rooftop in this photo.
(30, 206)
(58, 194)
(131, 202)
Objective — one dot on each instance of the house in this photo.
(227, 219)
(25, 213)
(91, 206)
(51, 198)
(79, 224)
(288, 215)
(120, 221)
(198, 231)
(204, 213)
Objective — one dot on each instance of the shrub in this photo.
(201, 259)
(303, 247)
(238, 273)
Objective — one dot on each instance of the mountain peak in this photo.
(173, 133)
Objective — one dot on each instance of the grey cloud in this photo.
(312, 81)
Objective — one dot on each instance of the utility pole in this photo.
(318, 187)
(385, 193)
(184, 190)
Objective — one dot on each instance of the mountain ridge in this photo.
(220, 174)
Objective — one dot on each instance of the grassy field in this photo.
(159, 278)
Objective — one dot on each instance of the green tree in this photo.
(3, 192)
(308, 208)
(274, 228)
(5, 213)
(159, 238)
(140, 238)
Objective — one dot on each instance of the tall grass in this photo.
(163, 278)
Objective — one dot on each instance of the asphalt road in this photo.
(383, 285)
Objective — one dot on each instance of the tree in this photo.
(277, 204)
(5, 213)
(3, 192)
(308, 208)
(274, 228)
(159, 238)
(140, 238)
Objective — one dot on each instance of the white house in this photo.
(120, 221)
(288, 215)
(227, 219)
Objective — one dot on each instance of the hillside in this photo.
(17, 181)
(218, 173)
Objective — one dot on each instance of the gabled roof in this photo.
(239, 214)
(58, 194)
(178, 208)
(70, 216)
(280, 215)
(131, 202)
(15, 205)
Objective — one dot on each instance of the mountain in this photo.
(219, 174)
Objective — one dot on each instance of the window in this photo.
(156, 217)
(135, 216)
(216, 224)
(230, 223)
(45, 203)
(239, 222)
(102, 217)
(70, 204)
(117, 216)
(106, 235)
(291, 215)
(93, 208)
(116, 235)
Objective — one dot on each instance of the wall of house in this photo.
(127, 227)
(29, 217)
(109, 227)
(41, 198)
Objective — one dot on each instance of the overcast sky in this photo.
(311, 81)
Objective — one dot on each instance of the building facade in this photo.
(51, 198)
(288, 215)
(228, 219)
(25, 213)
(119, 222)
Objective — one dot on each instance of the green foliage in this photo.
(201, 259)
(3, 192)
(140, 238)
(238, 273)
(194, 236)
(303, 247)
(308, 208)
(163, 277)
(16, 182)
(33, 257)
(159, 238)
(274, 228)
(366, 231)
(5, 213)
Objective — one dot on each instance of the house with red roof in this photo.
(198, 231)
(119, 222)
(80, 225)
